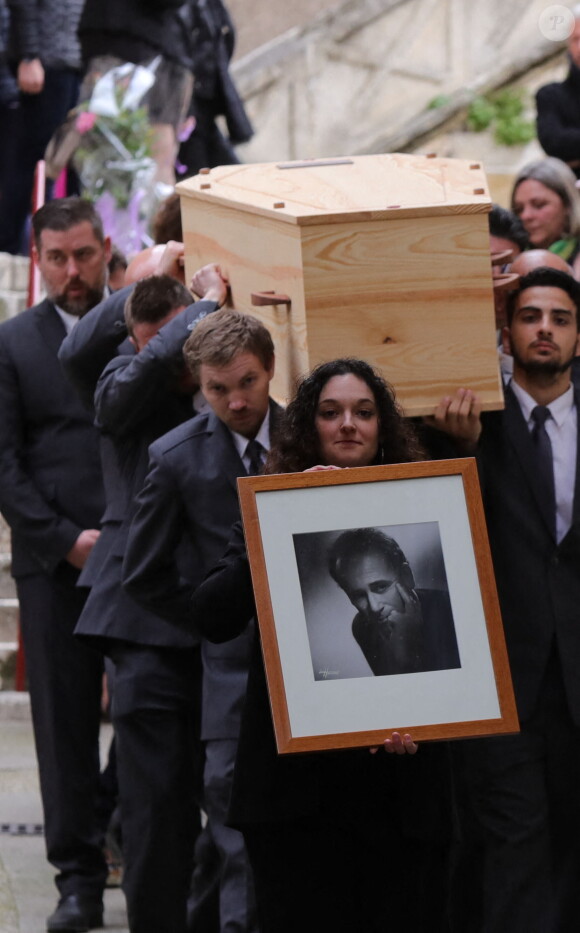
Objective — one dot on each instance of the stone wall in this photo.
(359, 77)
(257, 22)
(501, 163)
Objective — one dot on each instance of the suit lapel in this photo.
(576, 506)
(275, 413)
(519, 437)
(224, 450)
(50, 325)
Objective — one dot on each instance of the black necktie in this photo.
(544, 458)
(254, 454)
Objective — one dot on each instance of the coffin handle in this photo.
(260, 299)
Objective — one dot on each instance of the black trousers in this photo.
(155, 713)
(206, 146)
(237, 909)
(32, 125)
(65, 680)
(518, 865)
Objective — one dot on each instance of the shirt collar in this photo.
(263, 437)
(69, 320)
(560, 408)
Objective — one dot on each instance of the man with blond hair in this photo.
(190, 500)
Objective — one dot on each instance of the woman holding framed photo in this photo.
(339, 841)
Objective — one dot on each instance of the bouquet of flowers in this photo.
(113, 153)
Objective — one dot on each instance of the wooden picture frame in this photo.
(325, 693)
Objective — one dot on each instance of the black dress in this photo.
(339, 841)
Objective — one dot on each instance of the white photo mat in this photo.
(348, 703)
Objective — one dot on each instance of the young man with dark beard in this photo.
(522, 791)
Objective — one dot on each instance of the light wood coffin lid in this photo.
(377, 187)
(384, 257)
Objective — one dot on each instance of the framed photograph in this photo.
(377, 605)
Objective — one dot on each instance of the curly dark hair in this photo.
(296, 445)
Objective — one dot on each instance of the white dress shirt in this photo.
(69, 320)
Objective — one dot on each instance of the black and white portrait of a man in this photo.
(395, 579)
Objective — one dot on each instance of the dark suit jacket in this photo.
(135, 403)
(538, 580)
(50, 476)
(190, 497)
(98, 337)
(399, 794)
(94, 341)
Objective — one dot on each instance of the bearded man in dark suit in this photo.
(51, 496)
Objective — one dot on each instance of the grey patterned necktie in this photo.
(254, 454)
(544, 457)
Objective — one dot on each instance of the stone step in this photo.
(7, 587)
(11, 303)
(7, 671)
(14, 705)
(4, 536)
(8, 642)
(8, 620)
(14, 272)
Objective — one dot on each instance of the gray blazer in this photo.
(190, 500)
(134, 404)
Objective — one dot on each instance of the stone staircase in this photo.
(13, 284)
(8, 614)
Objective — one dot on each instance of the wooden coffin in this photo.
(384, 257)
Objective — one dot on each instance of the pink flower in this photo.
(185, 129)
(85, 121)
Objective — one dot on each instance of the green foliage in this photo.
(504, 111)
(514, 132)
(440, 101)
(132, 129)
(508, 103)
(114, 153)
(480, 115)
